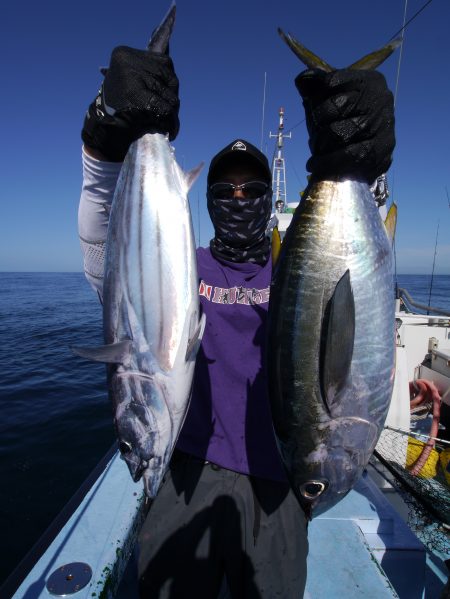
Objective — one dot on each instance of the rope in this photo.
(422, 392)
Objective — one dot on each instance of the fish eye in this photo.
(125, 447)
(312, 489)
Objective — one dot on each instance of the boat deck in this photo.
(359, 548)
(370, 551)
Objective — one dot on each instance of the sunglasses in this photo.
(250, 190)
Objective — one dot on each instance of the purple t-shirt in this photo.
(229, 421)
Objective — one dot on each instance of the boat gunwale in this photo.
(31, 558)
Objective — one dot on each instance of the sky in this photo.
(224, 52)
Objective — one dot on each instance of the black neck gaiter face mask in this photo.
(240, 227)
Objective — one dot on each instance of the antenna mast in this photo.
(278, 167)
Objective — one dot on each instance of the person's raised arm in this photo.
(139, 95)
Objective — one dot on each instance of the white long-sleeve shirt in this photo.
(99, 183)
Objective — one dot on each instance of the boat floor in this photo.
(359, 548)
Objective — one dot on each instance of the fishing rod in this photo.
(432, 270)
(397, 79)
(435, 252)
(410, 20)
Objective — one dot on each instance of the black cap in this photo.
(241, 150)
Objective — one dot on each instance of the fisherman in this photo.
(225, 508)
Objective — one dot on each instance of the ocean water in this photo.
(418, 286)
(55, 420)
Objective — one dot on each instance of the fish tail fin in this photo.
(159, 41)
(374, 59)
(312, 61)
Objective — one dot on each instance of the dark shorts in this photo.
(208, 523)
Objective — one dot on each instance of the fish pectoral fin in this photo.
(391, 222)
(194, 342)
(114, 353)
(337, 340)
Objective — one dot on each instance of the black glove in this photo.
(139, 95)
(350, 120)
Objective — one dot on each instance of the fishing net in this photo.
(425, 494)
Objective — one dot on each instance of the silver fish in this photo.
(151, 311)
(331, 335)
(151, 306)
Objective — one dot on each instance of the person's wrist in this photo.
(94, 153)
(107, 136)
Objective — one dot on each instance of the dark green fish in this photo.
(331, 332)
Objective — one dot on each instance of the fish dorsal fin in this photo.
(194, 343)
(312, 61)
(337, 340)
(391, 222)
(114, 353)
(276, 245)
(191, 176)
(159, 41)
